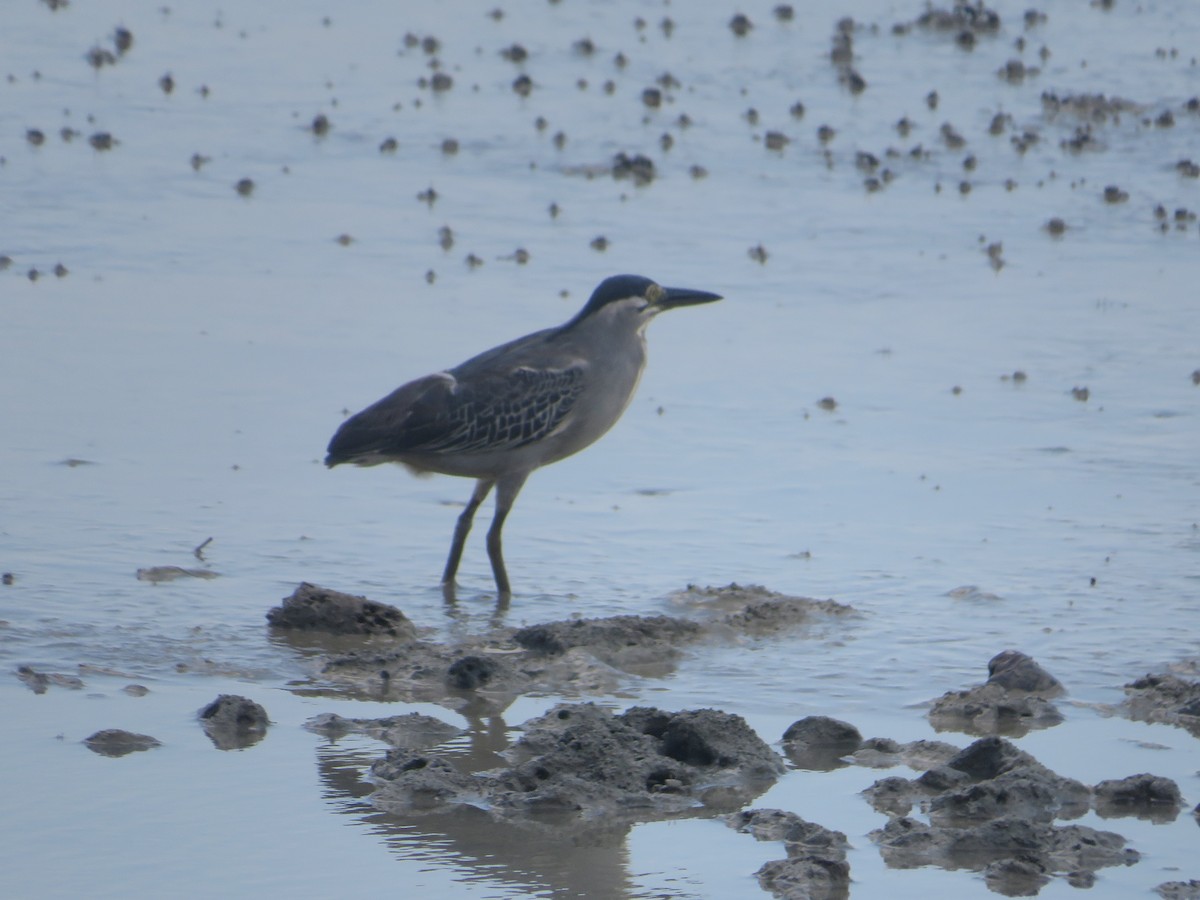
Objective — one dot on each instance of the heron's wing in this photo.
(441, 414)
(503, 411)
(390, 426)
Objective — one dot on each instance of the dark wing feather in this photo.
(506, 412)
(392, 425)
(439, 415)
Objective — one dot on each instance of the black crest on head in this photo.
(610, 290)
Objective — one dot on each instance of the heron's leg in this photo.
(506, 492)
(463, 527)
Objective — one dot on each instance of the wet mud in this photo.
(582, 772)
(116, 742)
(311, 608)
(234, 723)
(1015, 699)
(490, 669)
(815, 866)
(581, 768)
(1166, 698)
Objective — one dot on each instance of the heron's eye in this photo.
(654, 293)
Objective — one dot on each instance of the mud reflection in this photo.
(542, 848)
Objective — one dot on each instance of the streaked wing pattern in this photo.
(505, 413)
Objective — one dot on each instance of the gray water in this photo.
(181, 379)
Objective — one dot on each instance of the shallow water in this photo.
(203, 346)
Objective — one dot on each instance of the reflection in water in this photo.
(471, 840)
(554, 810)
(455, 613)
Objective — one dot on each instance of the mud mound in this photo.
(115, 742)
(1013, 701)
(581, 766)
(815, 867)
(992, 809)
(575, 656)
(314, 608)
(234, 723)
(1164, 698)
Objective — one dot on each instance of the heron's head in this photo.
(633, 295)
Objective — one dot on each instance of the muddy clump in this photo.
(884, 753)
(40, 682)
(314, 608)
(1164, 698)
(806, 878)
(412, 730)
(1014, 671)
(485, 672)
(1015, 855)
(159, 574)
(1013, 701)
(1179, 890)
(575, 656)
(115, 742)
(991, 779)
(820, 743)
(778, 613)
(234, 723)
(1149, 797)
(965, 21)
(841, 55)
(1090, 107)
(638, 168)
(815, 867)
(992, 809)
(754, 610)
(581, 767)
(622, 641)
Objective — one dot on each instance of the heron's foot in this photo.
(503, 599)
